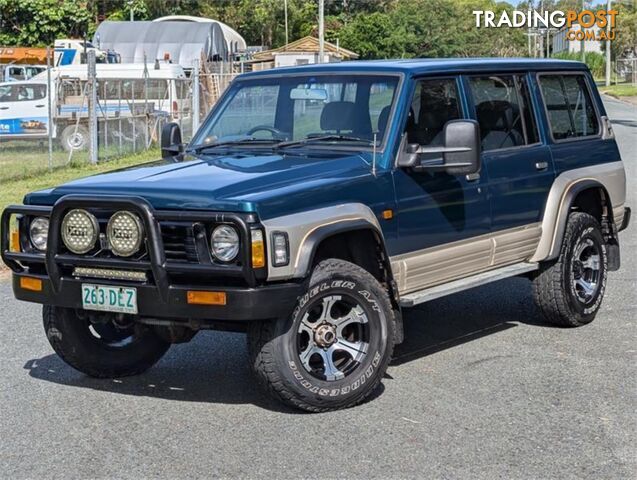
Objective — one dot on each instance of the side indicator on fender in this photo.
(195, 297)
(388, 214)
(29, 283)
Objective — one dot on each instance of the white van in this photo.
(124, 90)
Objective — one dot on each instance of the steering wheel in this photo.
(276, 133)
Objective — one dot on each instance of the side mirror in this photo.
(459, 154)
(171, 144)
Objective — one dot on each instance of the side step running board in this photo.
(438, 291)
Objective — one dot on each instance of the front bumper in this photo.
(242, 304)
(164, 293)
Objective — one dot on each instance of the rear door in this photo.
(574, 121)
(518, 161)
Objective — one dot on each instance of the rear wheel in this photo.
(570, 290)
(334, 349)
(102, 345)
(74, 137)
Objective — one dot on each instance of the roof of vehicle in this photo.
(30, 81)
(417, 66)
(117, 70)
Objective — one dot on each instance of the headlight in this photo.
(79, 231)
(224, 243)
(124, 232)
(39, 232)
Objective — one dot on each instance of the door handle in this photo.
(541, 165)
(472, 177)
(4, 108)
(39, 106)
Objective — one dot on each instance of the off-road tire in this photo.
(72, 341)
(273, 352)
(553, 288)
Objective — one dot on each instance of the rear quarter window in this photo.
(569, 106)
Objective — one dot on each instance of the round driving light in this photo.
(39, 232)
(224, 243)
(124, 232)
(79, 231)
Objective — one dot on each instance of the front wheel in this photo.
(333, 350)
(570, 290)
(102, 345)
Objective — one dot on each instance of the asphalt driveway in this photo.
(481, 389)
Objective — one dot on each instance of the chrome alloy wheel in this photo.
(586, 270)
(333, 337)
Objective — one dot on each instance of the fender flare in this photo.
(554, 222)
(309, 247)
(307, 229)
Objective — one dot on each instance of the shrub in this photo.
(595, 61)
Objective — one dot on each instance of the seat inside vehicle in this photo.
(500, 125)
(338, 117)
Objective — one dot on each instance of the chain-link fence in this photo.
(57, 120)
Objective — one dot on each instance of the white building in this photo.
(562, 44)
(300, 52)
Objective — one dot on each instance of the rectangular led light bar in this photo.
(109, 274)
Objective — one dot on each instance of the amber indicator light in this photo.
(14, 241)
(388, 214)
(33, 284)
(195, 297)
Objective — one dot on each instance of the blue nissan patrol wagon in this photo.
(316, 203)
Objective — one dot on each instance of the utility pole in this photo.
(321, 31)
(581, 27)
(608, 8)
(285, 8)
(130, 5)
(92, 107)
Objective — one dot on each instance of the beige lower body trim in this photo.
(436, 265)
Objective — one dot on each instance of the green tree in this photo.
(429, 28)
(40, 22)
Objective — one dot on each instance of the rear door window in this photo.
(504, 111)
(569, 106)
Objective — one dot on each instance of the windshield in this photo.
(309, 109)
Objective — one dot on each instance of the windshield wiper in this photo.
(324, 138)
(238, 141)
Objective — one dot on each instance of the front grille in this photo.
(179, 243)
